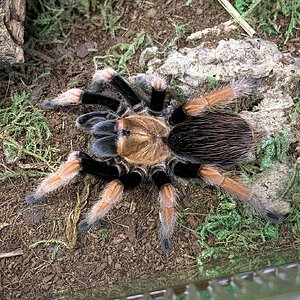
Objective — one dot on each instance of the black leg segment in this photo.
(99, 168)
(157, 100)
(184, 170)
(160, 177)
(96, 98)
(125, 89)
(133, 178)
(178, 116)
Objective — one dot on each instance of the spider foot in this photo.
(83, 225)
(245, 87)
(166, 245)
(261, 207)
(32, 198)
(275, 218)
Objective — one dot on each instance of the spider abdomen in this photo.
(215, 137)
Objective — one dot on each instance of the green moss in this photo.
(225, 231)
(23, 132)
(118, 55)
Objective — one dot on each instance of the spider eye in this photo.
(125, 132)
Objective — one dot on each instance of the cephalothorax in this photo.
(139, 139)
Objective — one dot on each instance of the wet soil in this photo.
(126, 245)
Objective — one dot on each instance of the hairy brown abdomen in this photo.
(216, 137)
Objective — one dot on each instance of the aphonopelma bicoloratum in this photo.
(136, 142)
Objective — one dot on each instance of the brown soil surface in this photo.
(131, 249)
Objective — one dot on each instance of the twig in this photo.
(11, 254)
(73, 217)
(237, 17)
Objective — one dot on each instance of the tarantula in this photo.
(137, 140)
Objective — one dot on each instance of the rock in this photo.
(222, 28)
(146, 55)
(271, 184)
(32, 215)
(229, 60)
(151, 13)
(84, 50)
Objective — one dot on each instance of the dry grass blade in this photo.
(237, 17)
(11, 254)
(73, 217)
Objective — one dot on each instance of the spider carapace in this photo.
(138, 139)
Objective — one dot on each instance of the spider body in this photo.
(135, 142)
(144, 141)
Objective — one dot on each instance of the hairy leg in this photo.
(158, 93)
(222, 95)
(167, 198)
(78, 96)
(110, 76)
(76, 162)
(111, 195)
(216, 178)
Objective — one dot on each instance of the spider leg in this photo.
(222, 95)
(154, 85)
(78, 96)
(167, 197)
(76, 162)
(65, 173)
(158, 94)
(111, 195)
(215, 177)
(116, 80)
(88, 120)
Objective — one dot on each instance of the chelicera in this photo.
(138, 139)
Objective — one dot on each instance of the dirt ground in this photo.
(128, 248)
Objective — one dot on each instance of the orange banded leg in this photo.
(66, 172)
(77, 162)
(167, 215)
(222, 95)
(111, 195)
(213, 176)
